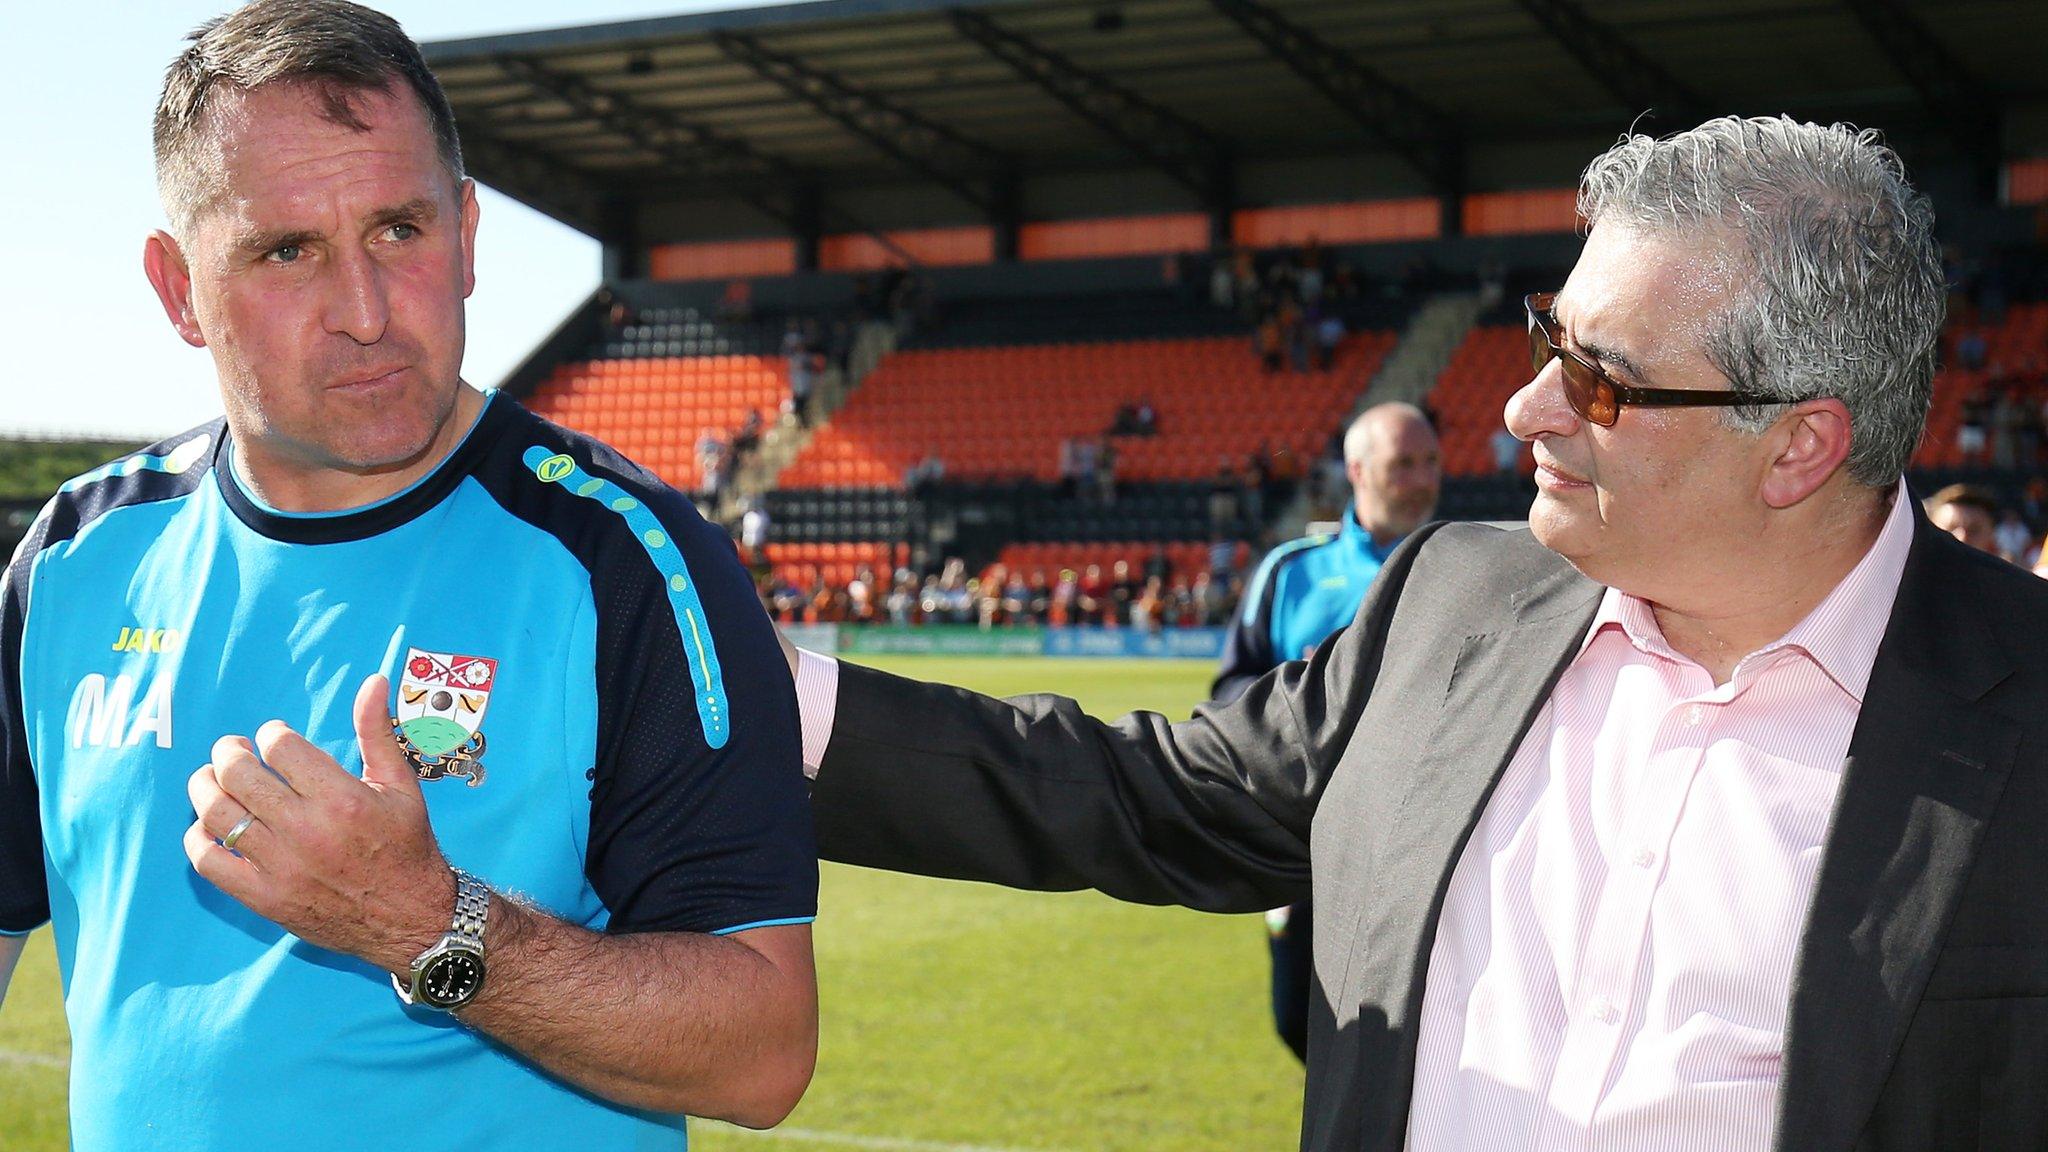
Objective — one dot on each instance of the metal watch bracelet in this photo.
(472, 909)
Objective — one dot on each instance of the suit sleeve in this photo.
(1248, 646)
(1213, 812)
(24, 891)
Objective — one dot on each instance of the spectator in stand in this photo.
(902, 603)
(1968, 513)
(956, 593)
(1092, 595)
(1123, 592)
(788, 601)
(711, 456)
(1329, 334)
(1222, 286)
(616, 314)
(1295, 333)
(1344, 282)
(1158, 566)
(1308, 336)
(802, 382)
(1223, 506)
(1976, 414)
(988, 596)
(754, 524)
(1105, 472)
(1148, 609)
(2034, 500)
(1017, 599)
(1221, 552)
(1252, 482)
(1180, 605)
(862, 592)
(1137, 419)
(1244, 273)
(747, 438)
(1493, 280)
(920, 476)
(2015, 539)
(1970, 349)
(1041, 597)
(1063, 604)
(1308, 274)
(737, 301)
(839, 347)
(1269, 342)
(1087, 457)
(1203, 597)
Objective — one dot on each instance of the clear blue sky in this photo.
(87, 347)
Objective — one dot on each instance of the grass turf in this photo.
(954, 1014)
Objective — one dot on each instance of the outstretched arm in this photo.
(1213, 812)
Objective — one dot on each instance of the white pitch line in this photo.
(33, 1059)
(854, 1140)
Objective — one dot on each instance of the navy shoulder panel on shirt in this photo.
(699, 816)
(162, 471)
(165, 470)
(1258, 597)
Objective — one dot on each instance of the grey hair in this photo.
(341, 49)
(1838, 287)
(1358, 437)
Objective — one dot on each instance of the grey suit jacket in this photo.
(1919, 1010)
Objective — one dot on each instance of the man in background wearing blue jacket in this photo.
(1307, 589)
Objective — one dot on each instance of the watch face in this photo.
(451, 979)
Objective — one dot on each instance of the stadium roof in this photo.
(779, 113)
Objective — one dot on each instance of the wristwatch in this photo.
(451, 973)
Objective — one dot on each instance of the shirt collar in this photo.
(1354, 535)
(1840, 635)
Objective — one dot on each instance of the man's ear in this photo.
(164, 263)
(469, 215)
(1810, 445)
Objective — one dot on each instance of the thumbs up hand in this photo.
(345, 863)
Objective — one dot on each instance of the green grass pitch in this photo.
(956, 1017)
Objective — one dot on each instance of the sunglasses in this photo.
(1592, 393)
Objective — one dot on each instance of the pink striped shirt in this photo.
(1616, 952)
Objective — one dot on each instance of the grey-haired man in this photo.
(1703, 814)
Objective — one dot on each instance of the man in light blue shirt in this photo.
(391, 766)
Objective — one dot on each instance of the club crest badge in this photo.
(441, 702)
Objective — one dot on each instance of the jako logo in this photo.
(149, 640)
(99, 713)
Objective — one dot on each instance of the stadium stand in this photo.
(1004, 411)
(2005, 379)
(1486, 369)
(651, 387)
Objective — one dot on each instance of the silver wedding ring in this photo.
(234, 835)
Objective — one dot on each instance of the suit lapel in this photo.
(1498, 684)
(1926, 766)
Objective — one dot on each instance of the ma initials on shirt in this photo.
(100, 709)
(148, 640)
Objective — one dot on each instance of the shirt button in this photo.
(1695, 716)
(1605, 1012)
(1642, 858)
